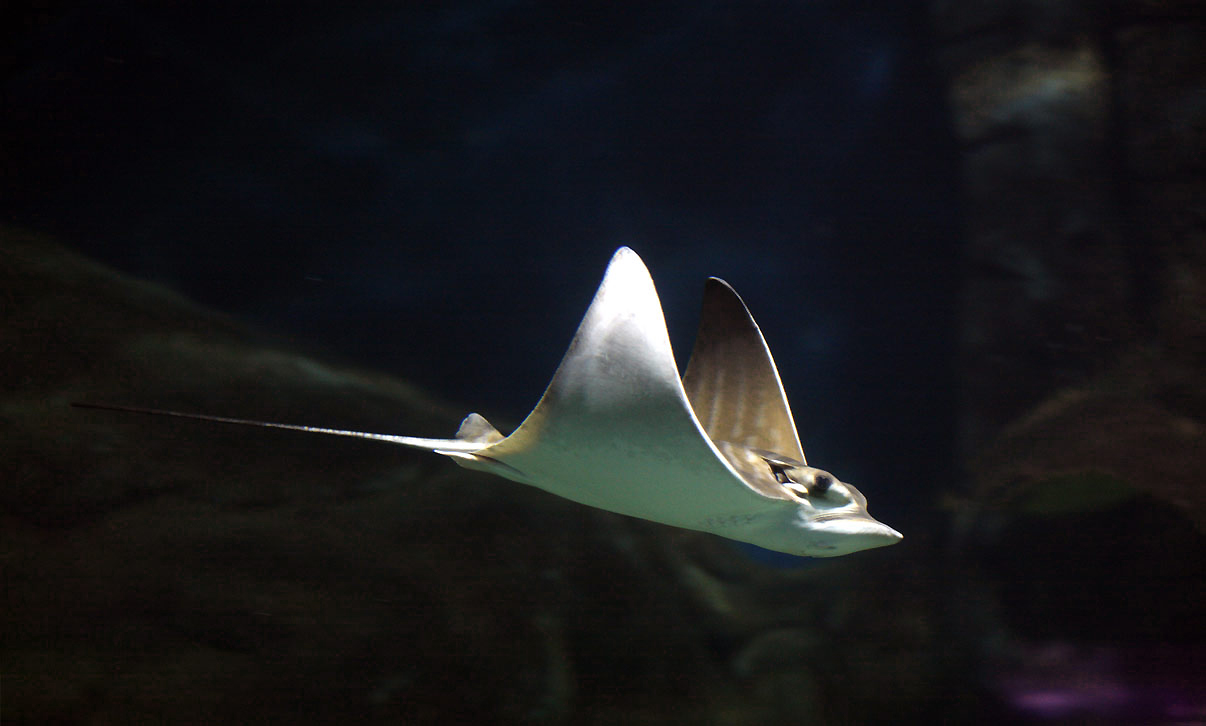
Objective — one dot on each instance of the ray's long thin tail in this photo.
(439, 445)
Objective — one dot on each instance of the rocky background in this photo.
(1081, 128)
(1053, 567)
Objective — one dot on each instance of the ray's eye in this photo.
(820, 484)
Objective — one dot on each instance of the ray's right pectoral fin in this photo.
(476, 429)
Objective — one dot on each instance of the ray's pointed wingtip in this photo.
(627, 265)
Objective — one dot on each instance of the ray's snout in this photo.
(884, 535)
(865, 527)
(842, 536)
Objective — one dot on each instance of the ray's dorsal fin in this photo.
(477, 429)
(731, 379)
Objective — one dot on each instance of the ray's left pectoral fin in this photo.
(614, 429)
(618, 371)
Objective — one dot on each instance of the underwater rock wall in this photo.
(1081, 128)
(1079, 532)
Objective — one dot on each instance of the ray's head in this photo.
(830, 516)
(825, 516)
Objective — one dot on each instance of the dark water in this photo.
(433, 190)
